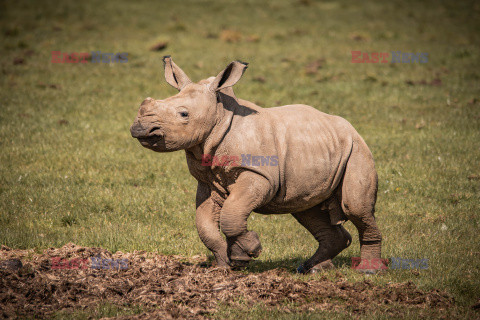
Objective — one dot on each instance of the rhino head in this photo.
(185, 119)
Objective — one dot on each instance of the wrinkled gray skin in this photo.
(325, 173)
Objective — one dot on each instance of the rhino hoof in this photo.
(256, 253)
(324, 265)
(301, 269)
(250, 244)
(238, 264)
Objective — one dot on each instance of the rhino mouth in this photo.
(152, 141)
(152, 137)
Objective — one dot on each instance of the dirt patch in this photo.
(170, 287)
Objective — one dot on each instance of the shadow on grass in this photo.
(291, 264)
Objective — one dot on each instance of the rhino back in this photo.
(312, 149)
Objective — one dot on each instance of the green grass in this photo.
(259, 312)
(103, 310)
(87, 181)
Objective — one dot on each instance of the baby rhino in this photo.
(290, 159)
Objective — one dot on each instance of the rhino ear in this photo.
(228, 77)
(174, 75)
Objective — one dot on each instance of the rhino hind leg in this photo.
(332, 239)
(358, 197)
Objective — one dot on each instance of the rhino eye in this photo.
(184, 114)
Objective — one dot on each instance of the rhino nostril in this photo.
(154, 131)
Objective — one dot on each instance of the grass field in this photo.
(70, 172)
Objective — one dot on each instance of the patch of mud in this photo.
(169, 287)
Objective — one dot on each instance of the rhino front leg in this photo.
(248, 192)
(207, 220)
